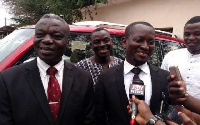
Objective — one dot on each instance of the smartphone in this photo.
(175, 71)
(170, 113)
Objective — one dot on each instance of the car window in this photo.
(79, 47)
(170, 45)
(13, 41)
(118, 49)
(157, 56)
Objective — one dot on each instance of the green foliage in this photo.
(30, 11)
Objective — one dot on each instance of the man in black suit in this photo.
(25, 90)
(112, 91)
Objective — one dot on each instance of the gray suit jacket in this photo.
(111, 98)
(23, 100)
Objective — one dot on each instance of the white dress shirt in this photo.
(189, 67)
(144, 76)
(45, 77)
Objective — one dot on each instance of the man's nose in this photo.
(145, 45)
(102, 43)
(191, 37)
(47, 39)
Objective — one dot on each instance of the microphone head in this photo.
(137, 89)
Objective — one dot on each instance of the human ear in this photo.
(124, 42)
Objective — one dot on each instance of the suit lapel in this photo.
(33, 76)
(121, 89)
(67, 83)
(155, 85)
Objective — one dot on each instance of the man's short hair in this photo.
(98, 29)
(130, 27)
(53, 16)
(195, 19)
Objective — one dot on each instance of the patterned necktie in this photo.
(53, 92)
(137, 80)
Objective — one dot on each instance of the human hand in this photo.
(177, 89)
(193, 116)
(184, 110)
(184, 118)
(129, 109)
(144, 112)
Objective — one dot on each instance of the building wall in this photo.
(160, 13)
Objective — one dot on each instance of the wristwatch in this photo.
(152, 121)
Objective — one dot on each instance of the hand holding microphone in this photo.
(144, 112)
(137, 88)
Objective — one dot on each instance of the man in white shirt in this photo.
(188, 59)
(112, 90)
(47, 90)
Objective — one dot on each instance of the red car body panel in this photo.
(13, 57)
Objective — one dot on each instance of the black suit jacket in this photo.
(23, 100)
(111, 98)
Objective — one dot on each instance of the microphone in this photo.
(137, 88)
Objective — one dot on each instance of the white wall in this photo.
(160, 13)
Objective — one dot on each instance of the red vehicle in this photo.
(17, 47)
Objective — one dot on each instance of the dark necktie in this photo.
(53, 92)
(137, 80)
(136, 71)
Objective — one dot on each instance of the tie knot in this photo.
(136, 70)
(51, 71)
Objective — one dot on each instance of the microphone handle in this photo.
(134, 113)
(134, 108)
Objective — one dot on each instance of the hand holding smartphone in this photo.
(175, 71)
(170, 113)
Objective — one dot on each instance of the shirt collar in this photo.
(44, 66)
(128, 67)
(190, 55)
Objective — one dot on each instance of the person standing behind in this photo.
(101, 44)
(188, 59)
(112, 90)
(47, 90)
